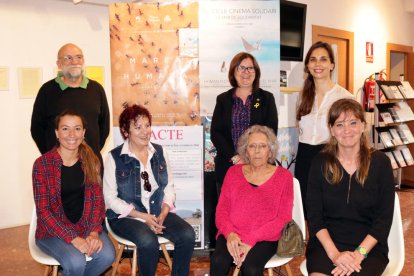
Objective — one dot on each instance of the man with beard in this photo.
(70, 90)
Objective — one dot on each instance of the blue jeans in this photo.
(176, 230)
(73, 261)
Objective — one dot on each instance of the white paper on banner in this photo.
(230, 27)
(185, 150)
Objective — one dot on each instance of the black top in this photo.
(72, 191)
(263, 112)
(90, 103)
(349, 211)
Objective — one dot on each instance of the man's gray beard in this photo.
(69, 75)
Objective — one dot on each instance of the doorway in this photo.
(399, 62)
(344, 42)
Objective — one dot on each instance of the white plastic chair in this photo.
(299, 217)
(37, 254)
(396, 253)
(124, 242)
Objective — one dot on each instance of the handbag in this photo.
(291, 242)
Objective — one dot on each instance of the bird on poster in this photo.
(223, 67)
(251, 47)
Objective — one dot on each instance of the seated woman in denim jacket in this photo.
(139, 195)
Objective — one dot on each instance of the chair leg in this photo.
(270, 271)
(117, 259)
(55, 270)
(134, 262)
(47, 269)
(288, 270)
(166, 256)
(236, 271)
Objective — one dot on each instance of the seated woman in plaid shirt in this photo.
(69, 202)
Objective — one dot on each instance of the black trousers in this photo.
(303, 162)
(253, 265)
(210, 203)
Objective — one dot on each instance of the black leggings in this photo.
(256, 259)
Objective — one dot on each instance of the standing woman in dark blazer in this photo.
(245, 104)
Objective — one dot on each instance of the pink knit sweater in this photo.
(254, 213)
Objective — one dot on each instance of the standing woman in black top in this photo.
(350, 199)
(245, 104)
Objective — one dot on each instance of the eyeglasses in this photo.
(147, 185)
(257, 146)
(67, 59)
(245, 69)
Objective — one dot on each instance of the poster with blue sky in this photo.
(229, 27)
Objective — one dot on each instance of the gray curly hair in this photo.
(271, 142)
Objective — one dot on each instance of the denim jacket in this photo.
(127, 174)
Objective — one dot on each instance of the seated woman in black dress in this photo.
(350, 199)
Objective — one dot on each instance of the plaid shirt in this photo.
(51, 218)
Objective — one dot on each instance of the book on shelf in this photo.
(407, 90)
(404, 138)
(386, 117)
(396, 92)
(386, 139)
(407, 156)
(396, 139)
(400, 159)
(392, 159)
(387, 92)
(404, 111)
(405, 134)
(394, 115)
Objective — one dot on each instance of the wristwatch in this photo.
(362, 251)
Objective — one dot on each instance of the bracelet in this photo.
(362, 251)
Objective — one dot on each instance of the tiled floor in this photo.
(16, 260)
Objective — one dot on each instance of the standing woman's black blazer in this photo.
(263, 112)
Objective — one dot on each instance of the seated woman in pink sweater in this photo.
(255, 203)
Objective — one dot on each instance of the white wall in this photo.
(32, 32)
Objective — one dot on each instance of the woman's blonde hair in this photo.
(90, 162)
(271, 142)
(332, 169)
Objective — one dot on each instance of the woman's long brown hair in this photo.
(307, 97)
(332, 170)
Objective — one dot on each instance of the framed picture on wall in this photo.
(4, 78)
(30, 80)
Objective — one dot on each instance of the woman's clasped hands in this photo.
(90, 245)
(237, 249)
(346, 262)
(154, 223)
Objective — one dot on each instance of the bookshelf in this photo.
(391, 119)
